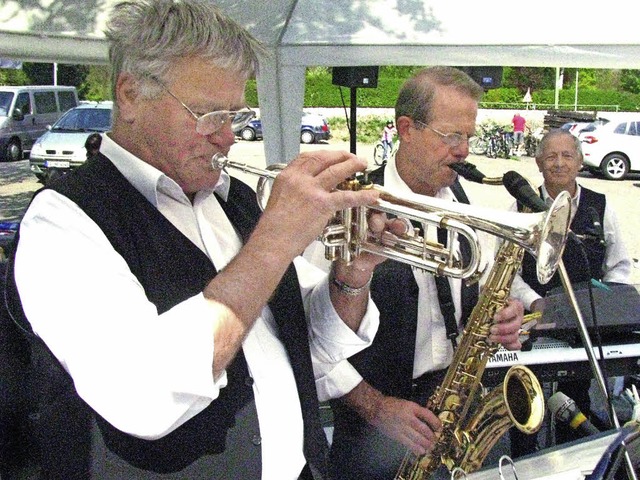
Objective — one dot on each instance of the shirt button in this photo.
(248, 381)
(256, 440)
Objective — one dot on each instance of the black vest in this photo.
(171, 269)
(582, 262)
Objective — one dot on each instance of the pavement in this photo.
(17, 185)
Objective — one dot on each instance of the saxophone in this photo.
(519, 402)
(472, 421)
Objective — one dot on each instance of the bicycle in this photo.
(378, 152)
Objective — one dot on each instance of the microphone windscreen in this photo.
(520, 189)
(468, 171)
(556, 402)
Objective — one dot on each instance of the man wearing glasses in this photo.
(420, 315)
(172, 321)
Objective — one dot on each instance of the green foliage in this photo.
(96, 85)
(522, 78)
(12, 76)
(369, 128)
(630, 81)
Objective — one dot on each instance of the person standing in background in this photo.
(388, 134)
(519, 123)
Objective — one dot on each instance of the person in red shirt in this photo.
(519, 122)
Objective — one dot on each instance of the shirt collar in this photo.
(150, 181)
(574, 200)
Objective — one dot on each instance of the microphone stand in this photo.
(595, 366)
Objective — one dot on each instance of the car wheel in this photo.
(378, 154)
(307, 137)
(13, 151)
(248, 134)
(615, 166)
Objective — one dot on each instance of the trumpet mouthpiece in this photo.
(219, 161)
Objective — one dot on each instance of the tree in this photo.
(97, 84)
(529, 77)
(630, 81)
(43, 73)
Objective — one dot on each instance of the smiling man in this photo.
(602, 254)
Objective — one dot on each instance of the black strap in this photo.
(447, 307)
(445, 298)
(469, 294)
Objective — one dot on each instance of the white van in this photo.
(26, 112)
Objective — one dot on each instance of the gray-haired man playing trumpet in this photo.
(173, 318)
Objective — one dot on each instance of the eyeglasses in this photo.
(451, 139)
(213, 122)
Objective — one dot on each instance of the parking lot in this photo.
(17, 184)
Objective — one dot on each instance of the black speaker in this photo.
(360, 77)
(486, 77)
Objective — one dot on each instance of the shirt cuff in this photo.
(335, 380)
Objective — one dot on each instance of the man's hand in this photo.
(304, 197)
(413, 426)
(404, 421)
(506, 328)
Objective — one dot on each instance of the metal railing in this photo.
(549, 106)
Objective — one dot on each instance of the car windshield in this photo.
(593, 125)
(84, 120)
(5, 103)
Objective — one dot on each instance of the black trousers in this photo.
(361, 451)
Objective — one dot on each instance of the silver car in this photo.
(62, 148)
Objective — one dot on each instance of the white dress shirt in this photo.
(148, 373)
(617, 264)
(433, 350)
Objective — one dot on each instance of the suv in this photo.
(313, 128)
(62, 148)
(612, 149)
(26, 112)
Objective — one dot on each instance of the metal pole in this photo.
(353, 131)
(557, 93)
(595, 366)
(575, 102)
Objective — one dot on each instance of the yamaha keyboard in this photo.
(553, 360)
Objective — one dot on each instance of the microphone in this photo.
(565, 410)
(468, 171)
(597, 226)
(520, 189)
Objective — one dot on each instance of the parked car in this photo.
(62, 148)
(313, 128)
(612, 149)
(574, 127)
(25, 114)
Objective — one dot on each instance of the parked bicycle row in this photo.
(496, 141)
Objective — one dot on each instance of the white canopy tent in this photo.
(302, 33)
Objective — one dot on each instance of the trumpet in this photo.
(346, 235)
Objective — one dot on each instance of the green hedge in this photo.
(320, 92)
